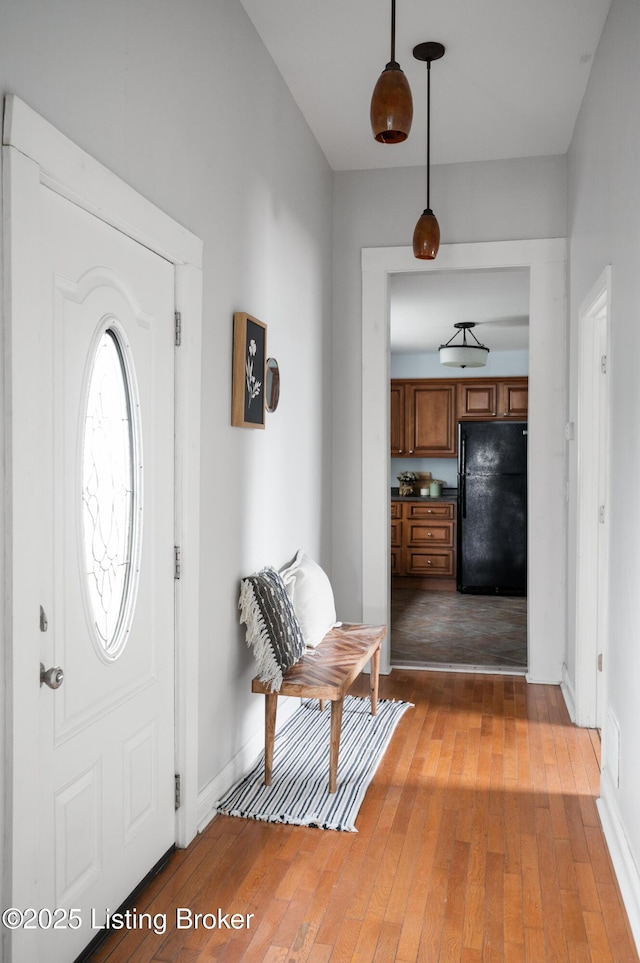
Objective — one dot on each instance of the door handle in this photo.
(52, 677)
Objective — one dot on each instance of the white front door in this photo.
(97, 538)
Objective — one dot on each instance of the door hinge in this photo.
(178, 329)
(177, 792)
(176, 562)
(603, 364)
(600, 662)
(601, 514)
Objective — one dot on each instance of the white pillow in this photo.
(310, 591)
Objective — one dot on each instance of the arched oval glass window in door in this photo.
(111, 495)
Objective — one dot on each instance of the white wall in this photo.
(182, 101)
(604, 228)
(501, 200)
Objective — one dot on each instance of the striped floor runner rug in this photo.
(299, 792)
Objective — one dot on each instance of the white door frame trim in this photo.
(546, 261)
(34, 152)
(592, 542)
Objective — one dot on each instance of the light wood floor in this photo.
(478, 840)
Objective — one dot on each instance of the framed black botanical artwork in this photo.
(249, 366)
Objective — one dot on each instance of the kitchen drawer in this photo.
(429, 532)
(396, 532)
(430, 510)
(430, 564)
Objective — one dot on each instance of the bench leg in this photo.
(270, 708)
(336, 724)
(374, 679)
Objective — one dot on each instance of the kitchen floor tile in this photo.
(451, 628)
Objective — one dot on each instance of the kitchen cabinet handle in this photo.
(429, 535)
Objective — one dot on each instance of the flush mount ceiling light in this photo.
(463, 355)
(426, 236)
(391, 103)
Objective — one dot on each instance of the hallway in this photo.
(478, 840)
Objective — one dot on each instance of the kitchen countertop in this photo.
(448, 495)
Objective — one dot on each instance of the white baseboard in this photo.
(569, 694)
(240, 764)
(533, 681)
(621, 856)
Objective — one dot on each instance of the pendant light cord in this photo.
(428, 132)
(393, 32)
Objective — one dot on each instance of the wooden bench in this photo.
(326, 672)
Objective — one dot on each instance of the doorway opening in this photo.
(441, 544)
(546, 261)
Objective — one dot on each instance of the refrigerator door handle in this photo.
(463, 474)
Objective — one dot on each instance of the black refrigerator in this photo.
(492, 507)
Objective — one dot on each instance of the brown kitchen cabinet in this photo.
(497, 398)
(424, 412)
(423, 544)
(431, 422)
(513, 398)
(397, 419)
(396, 537)
(423, 419)
(477, 399)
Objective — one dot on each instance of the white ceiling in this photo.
(509, 85)
(425, 307)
